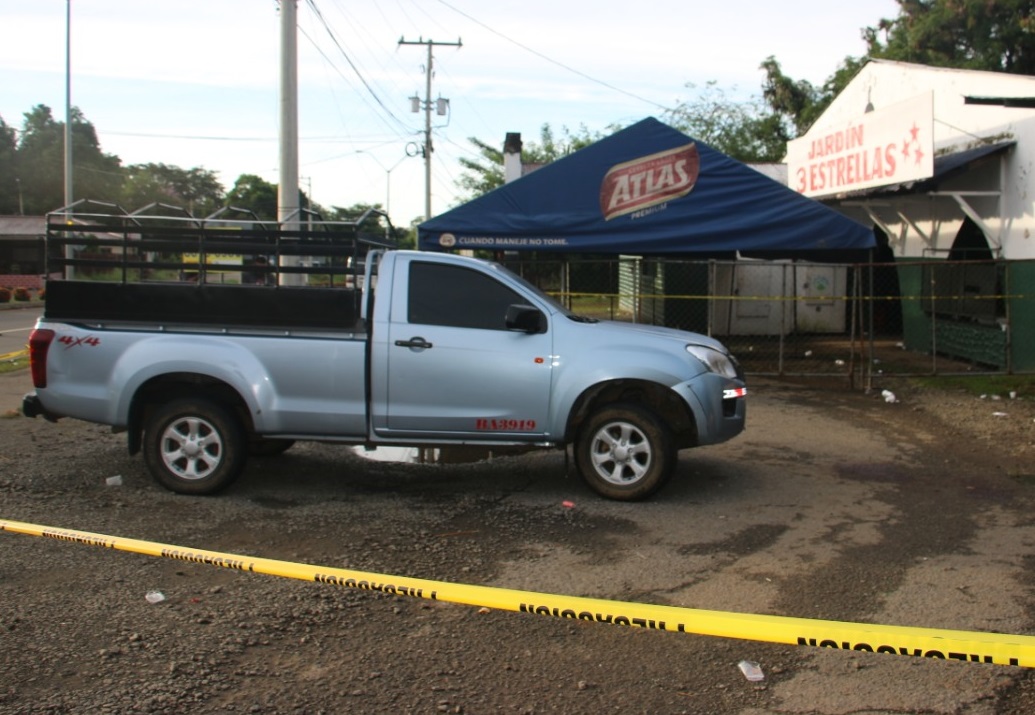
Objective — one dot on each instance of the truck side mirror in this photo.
(525, 318)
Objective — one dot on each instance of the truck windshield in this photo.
(553, 302)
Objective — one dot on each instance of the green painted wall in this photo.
(985, 344)
(916, 327)
(1020, 286)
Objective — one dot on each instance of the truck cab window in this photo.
(457, 297)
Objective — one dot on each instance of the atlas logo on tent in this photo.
(649, 181)
(447, 240)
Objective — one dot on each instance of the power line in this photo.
(342, 75)
(362, 79)
(552, 61)
(362, 35)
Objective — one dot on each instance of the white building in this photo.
(977, 133)
(942, 163)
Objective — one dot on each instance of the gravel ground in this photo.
(837, 506)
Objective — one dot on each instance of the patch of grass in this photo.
(17, 363)
(1023, 385)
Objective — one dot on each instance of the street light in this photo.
(388, 180)
(388, 186)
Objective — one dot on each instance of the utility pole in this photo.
(442, 106)
(70, 269)
(69, 198)
(287, 190)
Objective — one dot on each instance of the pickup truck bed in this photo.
(272, 307)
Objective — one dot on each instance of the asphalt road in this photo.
(833, 505)
(15, 325)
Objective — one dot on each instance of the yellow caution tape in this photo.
(974, 647)
(15, 355)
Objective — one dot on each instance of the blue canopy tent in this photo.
(648, 190)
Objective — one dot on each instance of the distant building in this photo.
(22, 251)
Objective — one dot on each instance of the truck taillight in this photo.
(39, 343)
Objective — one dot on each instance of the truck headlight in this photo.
(718, 362)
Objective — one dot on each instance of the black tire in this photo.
(194, 446)
(624, 452)
(268, 446)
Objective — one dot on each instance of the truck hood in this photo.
(655, 331)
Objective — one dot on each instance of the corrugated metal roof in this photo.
(945, 166)
(949, 164)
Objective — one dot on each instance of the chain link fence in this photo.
(850, 321)
(922, 316)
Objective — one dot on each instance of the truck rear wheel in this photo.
(624, 452)
(194, 446)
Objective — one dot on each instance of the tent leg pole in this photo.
(853, 328)
(870, 316)
(711, 293)
(783, 315)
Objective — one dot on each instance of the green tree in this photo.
(197, 190)
(798, 103)
(403, 236)
(996, 35)
(256, 194)
(484, 174)
(350, 213)
(744, 129)
(9, 179)
(967, 34)
(41, 161)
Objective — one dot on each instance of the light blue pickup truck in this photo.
(205, 355)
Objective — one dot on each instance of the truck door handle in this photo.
(413, 343)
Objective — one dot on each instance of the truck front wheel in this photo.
(624, 452)
(194, 446)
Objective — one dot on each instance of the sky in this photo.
(195, 83)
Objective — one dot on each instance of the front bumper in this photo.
(719, 406)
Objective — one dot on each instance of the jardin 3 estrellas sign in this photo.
(887, 146)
